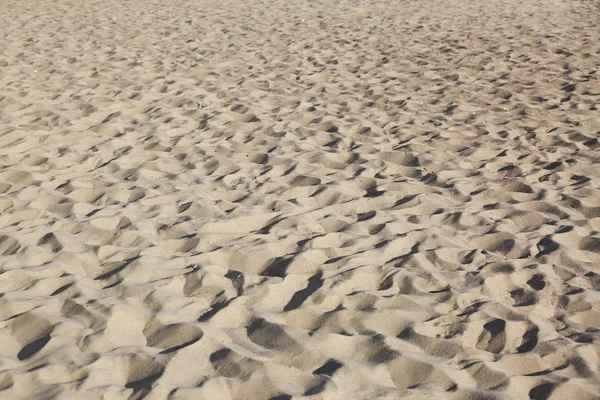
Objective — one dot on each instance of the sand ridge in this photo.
(320, 200)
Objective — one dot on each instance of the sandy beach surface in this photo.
(281, 200)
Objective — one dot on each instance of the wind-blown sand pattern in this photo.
(299, 200)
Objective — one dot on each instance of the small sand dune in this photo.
(275, 200)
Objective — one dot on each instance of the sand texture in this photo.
(299, 199)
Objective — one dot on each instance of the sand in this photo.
(299, 200)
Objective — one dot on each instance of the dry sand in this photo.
(299, 199)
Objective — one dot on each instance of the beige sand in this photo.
(299, 199)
